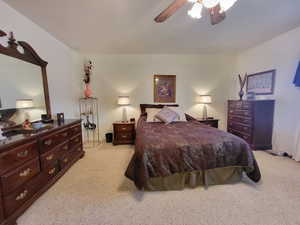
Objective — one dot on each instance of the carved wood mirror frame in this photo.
(29, 55)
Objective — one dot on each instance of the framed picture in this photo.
(261, 83)
(164, 88)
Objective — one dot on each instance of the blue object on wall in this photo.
(297, 77)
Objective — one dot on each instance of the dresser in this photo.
(31, 163)
(252, 121)
(124, 133)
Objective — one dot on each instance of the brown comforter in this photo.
(162, 150)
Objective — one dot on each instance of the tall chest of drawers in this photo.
(252, 121)
(31, 164)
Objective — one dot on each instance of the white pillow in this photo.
(180, 112)
(151, 112)
(167, 115)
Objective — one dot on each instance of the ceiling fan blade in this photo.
(215, 15)
(170, 10)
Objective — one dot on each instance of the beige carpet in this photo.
(95, 192)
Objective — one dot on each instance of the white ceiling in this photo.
(127, 26)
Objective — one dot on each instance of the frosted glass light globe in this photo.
(196, 11)
(210, 3)
(193, 1)
(227, 4)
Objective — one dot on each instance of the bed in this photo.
(187, 154)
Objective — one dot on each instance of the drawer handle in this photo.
(77, 139)
(25, 173)
(52, 171)
(124, 136)
(65, 147)
(22, 154)
(79, 149)
(48, 142)
(22, 195)
(50, 157)
(66, 160)
(123, 128)
(65, 134)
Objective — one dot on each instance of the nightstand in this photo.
(210, 122)
(124, 133)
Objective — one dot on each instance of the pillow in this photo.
(151, 112)
(167, 115)
(180, 113)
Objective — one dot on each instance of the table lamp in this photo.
(25, 104)
(124, 101)
(204, 99)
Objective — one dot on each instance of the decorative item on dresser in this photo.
(210, 122)
(124, 133)
(30, 164)
(252, 121)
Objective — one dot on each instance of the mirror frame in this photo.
(29, 55)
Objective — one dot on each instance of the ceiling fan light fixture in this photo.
(196, 11)
(193, 1)
(227, 4)
(210, 3)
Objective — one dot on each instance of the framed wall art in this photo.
(164, 88)
(261, 83)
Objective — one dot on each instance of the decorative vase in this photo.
(241, 94)
(88, 91)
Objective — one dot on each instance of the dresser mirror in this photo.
(23, 82)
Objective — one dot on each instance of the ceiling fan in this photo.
(216, 8)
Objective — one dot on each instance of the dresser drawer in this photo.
(124, 136)
(50, 159)
(240, 127)
(240, 119)
(66, 159)
(50, 141)
(65, 147)
(16, 199)
(51, 172)
(75, 130)
(244, 136)
(75, 141)
(19, 176)
(238, 112)
(17, 156)
(124, 127)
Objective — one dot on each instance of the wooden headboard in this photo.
(145, 106)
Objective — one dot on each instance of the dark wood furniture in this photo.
(31, 163)
(252, 121)
(210, 122)
(29, 55)
(124, 133)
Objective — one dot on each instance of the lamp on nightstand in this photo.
(124, 101)
(204, 99)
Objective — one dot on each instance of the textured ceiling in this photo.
(127, 26)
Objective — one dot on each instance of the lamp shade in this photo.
(123, 100)
(297, 77)
(24, 103)
(204, 99)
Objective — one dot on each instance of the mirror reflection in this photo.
(21, 90)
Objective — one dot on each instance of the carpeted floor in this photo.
(95, 192)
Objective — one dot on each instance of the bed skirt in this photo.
(194, 179)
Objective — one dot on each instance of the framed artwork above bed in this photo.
(164, 88)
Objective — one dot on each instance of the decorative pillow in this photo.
(180, 112)
(167, 115)
(151, 112)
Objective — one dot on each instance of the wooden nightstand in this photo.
(124, 133)
(210, 122)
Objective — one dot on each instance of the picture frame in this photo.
(164, 88)
(262, 83)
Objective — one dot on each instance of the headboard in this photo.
(145, 106)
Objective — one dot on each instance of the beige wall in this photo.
(283, 54)
(132, 75)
